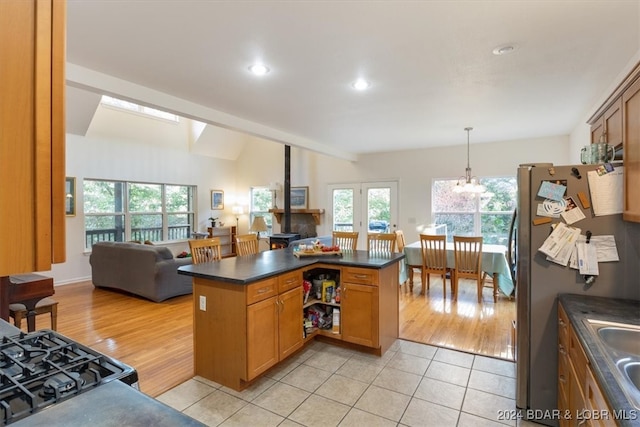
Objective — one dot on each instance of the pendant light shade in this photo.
(468, 183)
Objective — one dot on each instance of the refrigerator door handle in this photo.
(511, 250)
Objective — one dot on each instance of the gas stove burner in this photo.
(61, 383)
(14, 352)
(13, 371)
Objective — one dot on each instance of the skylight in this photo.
(140, 109)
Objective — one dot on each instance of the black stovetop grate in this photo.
(42, 368)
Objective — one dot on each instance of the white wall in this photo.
(104, 158)
(263, 161)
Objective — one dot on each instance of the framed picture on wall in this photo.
(70, 196)
(217, 200)
(299, 197)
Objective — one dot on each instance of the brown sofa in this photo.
(145, 270)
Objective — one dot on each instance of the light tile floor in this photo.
(412, 384)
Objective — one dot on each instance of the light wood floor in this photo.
(156, 338)
(464, 324)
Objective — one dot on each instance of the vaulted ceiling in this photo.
(430, 65)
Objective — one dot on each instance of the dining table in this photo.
(494, 262)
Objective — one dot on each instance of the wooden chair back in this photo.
(468, 261)
(434, 260)
(247, 244)
(434, 253)
(400, 241)
(205, 250)
(381, 242)
(346, 240)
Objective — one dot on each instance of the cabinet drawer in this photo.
(289, 281)
(365, 276)
(261, 290)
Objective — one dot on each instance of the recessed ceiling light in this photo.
(361, 84)
(259, 69)
(503, 50)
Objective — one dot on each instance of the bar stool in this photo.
(45, 305)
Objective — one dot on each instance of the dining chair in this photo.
(247, 244)
(346, 240)
(468, 262)
(381, 242)
(205, 250)
(434, 260)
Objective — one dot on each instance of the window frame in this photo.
(478, 211)
(253, 212)
(127, 214)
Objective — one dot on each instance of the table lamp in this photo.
(258, 225)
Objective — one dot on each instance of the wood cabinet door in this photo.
(359, 314)
(631, 147)
(262, 336)
(290, 322)
(32, 168)
(612, 119)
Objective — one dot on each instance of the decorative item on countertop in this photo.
(316, 248)
(213, 222)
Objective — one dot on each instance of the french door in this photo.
(366, 207)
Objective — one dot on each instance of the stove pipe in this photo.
(286, 221)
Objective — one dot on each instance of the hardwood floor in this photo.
(156, 338)
(464, 325)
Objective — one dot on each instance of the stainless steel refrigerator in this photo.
(539, 281)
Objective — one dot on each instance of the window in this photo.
(261, 202)
(140, 109)
(119, 211)
(488, 214)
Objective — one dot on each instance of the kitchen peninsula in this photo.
(248, 311)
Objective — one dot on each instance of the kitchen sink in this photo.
(620, 344)
(632, 369)
(624, 339)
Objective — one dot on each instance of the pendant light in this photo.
(468, 183)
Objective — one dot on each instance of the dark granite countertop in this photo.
(248, 269)
(581, 307)
(111, 404)
(7, 329)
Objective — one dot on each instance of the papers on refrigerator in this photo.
(551, 208)
(572, 212)
(560, 243)
(606, 250)
(587, 258)
(606, 191)
(550, 190)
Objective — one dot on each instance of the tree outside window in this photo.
(261, 202)
(487, 214)
(119, 211)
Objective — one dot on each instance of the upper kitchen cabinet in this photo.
(32, 135)
(619, 120)
(608, 128)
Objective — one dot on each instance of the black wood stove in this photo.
(280, 241)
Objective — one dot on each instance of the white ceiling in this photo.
(430, 64)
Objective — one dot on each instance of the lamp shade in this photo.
(258, 224)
